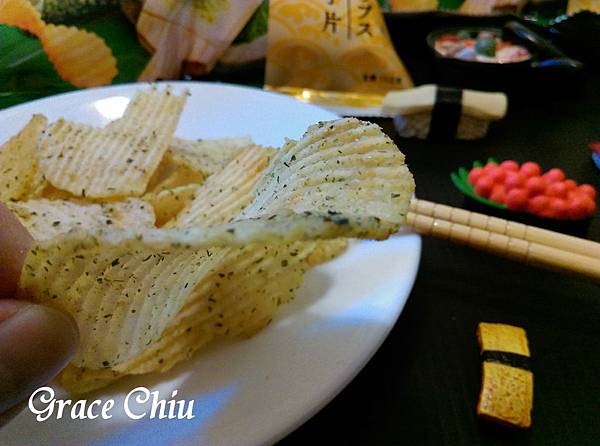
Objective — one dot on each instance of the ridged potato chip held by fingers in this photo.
(124, 286)
(243, 291)
(239, 298)
(216, 201)
(225, 258)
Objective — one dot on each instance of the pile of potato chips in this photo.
(158, 245)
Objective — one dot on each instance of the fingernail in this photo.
(36, 343)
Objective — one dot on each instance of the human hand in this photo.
(36, 342)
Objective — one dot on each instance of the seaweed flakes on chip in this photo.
(146, 298)
(45, 219)
(20, 175)
(117, 160)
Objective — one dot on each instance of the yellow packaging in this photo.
(583, 5)
(413, 5)
(331, 45)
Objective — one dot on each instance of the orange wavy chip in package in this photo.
(79, 56)
(22, 14)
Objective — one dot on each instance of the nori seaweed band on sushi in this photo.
(506, 394)
(446, 113)
(507, 358)
(439, 113)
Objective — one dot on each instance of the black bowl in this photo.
(545, 62)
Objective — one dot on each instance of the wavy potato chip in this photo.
(79, 56)
(255, 301)
(45, 219)
(169, 203)
(345, 166)
(140, 279)
(227, 257)
(226, 193)
(117, 160)
(172, 173)
(23, 15)
(20, 175)
(238, 299)
(78, 380)
(208, 155)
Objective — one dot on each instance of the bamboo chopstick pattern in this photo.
(506, 227)
(505, 238)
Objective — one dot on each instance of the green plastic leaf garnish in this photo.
(27, 74)
(256, 26)
(461, 181)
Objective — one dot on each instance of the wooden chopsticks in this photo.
(517, 241)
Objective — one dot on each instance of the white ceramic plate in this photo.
(258, 390)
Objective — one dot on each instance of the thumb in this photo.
(36, 342)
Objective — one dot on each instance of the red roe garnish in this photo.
(475, 174)
(509, 166)
(531, 169)
(524, 188)
(484, 186)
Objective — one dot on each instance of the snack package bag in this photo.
(331, 45)
(492, 7)
(583, 5)
(194, 33)
(413, 5)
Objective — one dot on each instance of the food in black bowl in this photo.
(483, 45)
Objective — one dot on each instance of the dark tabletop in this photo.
(421, 387)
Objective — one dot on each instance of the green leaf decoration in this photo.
(257, 25)
(121, 36)
(27, 74)
(450, 4)
(25, 71)
(461, 181)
